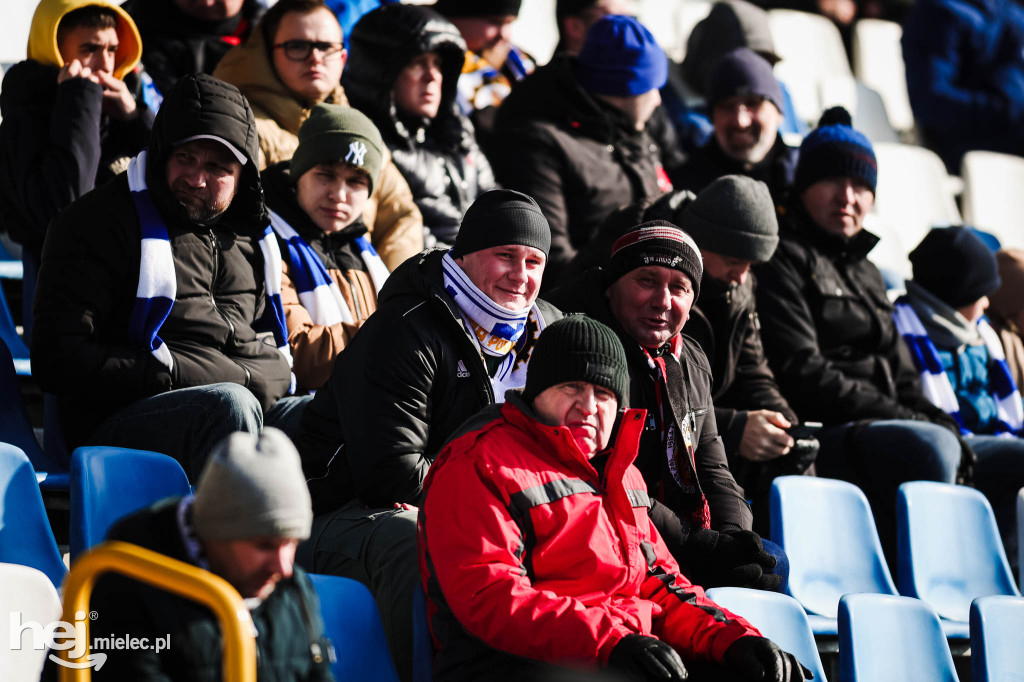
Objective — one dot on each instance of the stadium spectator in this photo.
(733, 223)
(746, 106)
(250, 510)
(645, 294)
(331, 272)
(828, 332)
(1006, 310)
(453, 331)
(549, 570)
(965, 75)
(403, 72)
(572, 134)
(70, 121)
(293, 60)
(189, 36)
(157, 290)
(575, 17)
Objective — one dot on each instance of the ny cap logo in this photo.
(356, 153)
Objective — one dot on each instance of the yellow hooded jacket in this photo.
(42, 37)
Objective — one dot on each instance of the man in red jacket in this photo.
(536, 547)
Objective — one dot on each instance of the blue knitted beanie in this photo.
(621, 58)
(835, 150)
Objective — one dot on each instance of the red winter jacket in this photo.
(527, 552)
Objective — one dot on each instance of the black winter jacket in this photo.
(708, 163)
(439, 157)
(81, 349)
(828, 331)
(578, 157)
(56, 145)
(729, 509)
(405, 383)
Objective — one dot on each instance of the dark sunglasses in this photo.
(300, 50)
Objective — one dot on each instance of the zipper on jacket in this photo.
(215, 257)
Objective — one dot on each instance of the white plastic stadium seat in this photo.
(535, 30)
(811, 49)
(994, 195)
(878, 62)
(864, 104)
(28, 592)
(671, 22)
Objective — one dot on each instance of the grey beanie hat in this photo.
(252, 488)
(734, 216)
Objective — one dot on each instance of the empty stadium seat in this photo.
(9, 335)
(108, 483)
(28, 592)
(996, 626)
(993, 200)
(25, 535)
(828, 532)
(878, 63)
(422, 645)
(864, 104)
(671, 21)
(886, 638)
(352, 623)
(778, 617)
(949, 548)
(811, 49)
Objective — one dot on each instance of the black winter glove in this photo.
(758, 658)
(735, 559)
(647, 659)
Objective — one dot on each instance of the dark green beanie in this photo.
(335, 134)
(577, 348)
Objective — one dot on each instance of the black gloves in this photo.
(735, 559)
(647, 659)
(757, 658)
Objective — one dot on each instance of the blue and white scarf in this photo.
(935, 383)
(158, 287)
(496, 329)
(318, 292)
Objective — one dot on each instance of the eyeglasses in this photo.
(300, 50)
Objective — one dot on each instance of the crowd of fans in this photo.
(542, 335)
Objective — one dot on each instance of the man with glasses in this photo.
(291, 62)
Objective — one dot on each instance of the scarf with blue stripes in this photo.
(157, 288)
(935, 383)
(318, 292)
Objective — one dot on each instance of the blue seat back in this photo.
(25, 534)
(15, 427)
(779, 618)
(422, 644)
(885, 638)
(108, 483)
(828, 532)
(949, 547)
(9, 335)
(352, 623)
(996, 626)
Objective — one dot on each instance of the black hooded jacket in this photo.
(438, 157)
(81, 349)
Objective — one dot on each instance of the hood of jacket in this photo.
(380, 46)
(42, 37)
(420, 277)
(248, 67)
(203, 105)
(729, 24)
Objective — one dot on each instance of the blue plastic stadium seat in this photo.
(885, 638)
(996, 626)
(108, 483)
(779, 618)
(352, 623)
(25, 535)
(422, 645)
(828, 532)
(9, 335)
(949, 548)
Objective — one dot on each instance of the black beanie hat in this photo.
(478, 8)
(734, 216)
(955, 265)
(744, 72)
(577, 348)
(501, 217)
(657, 242)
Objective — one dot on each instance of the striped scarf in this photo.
(318, 292)
(157, 286)
(935, 383)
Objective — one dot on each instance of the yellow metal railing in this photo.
(184, 580)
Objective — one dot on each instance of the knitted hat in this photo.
(253, 488)
(734, 216)
(1007, 301)
(744, 72)
(835, 150)
(577, 348)
(478, 8)
(621, 58)
(334, 133)
(955, 265)
(501, 217)
(657, 242)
